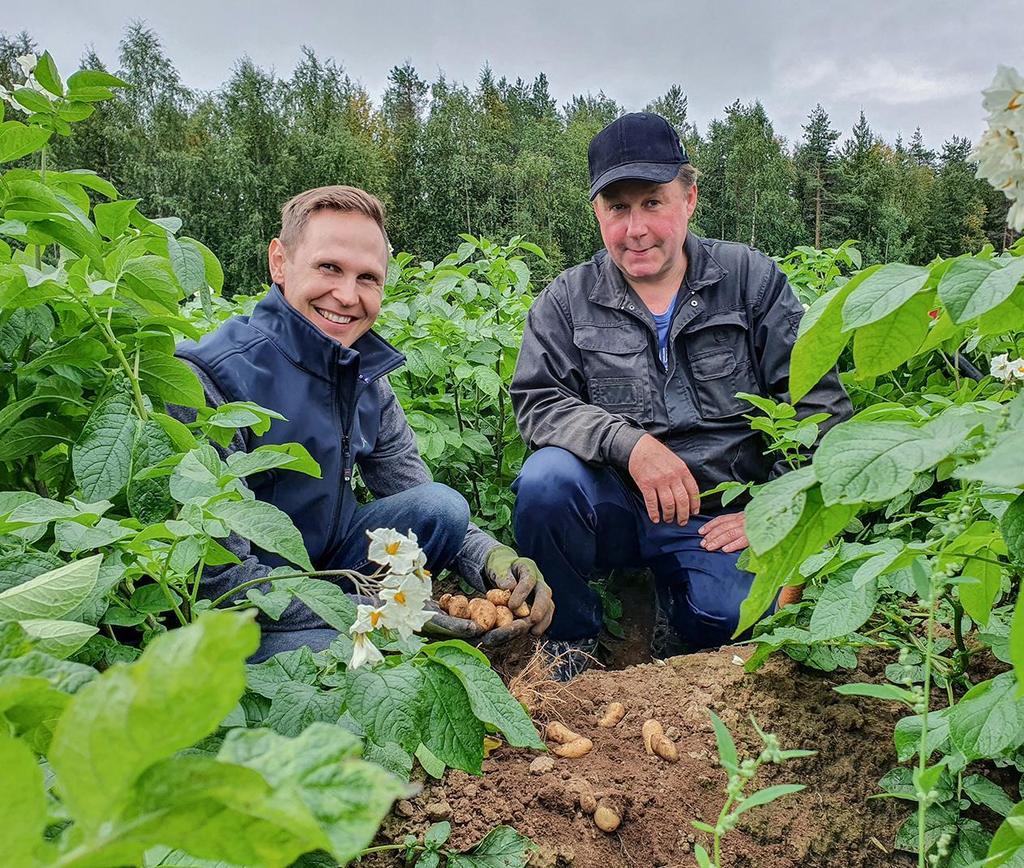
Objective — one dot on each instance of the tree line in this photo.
(496, 159)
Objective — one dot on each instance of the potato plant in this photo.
(110, 510)
(460, 323)
(908, 528)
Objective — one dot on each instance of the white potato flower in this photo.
(1004, 100)
(27, 62)
(363, 650)
(405, 598)
(1003, 368)
(1000, 151)
(396, 551)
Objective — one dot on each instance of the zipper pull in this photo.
(345, 456)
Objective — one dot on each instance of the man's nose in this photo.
(345, 292)
(637, 226)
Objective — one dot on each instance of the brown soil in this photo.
(831, 823)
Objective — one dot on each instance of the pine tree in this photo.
(815, 161)
(672, 106)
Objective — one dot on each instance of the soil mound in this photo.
(831, 823)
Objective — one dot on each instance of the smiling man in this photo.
(309, 353)
(626, 386)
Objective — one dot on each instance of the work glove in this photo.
(505, 569)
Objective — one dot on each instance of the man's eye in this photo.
(369, 278)
(330, 266)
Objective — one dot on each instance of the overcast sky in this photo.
(905, 64)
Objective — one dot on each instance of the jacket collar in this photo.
(611, 287)
(310, 349)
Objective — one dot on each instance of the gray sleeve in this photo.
(548, 393)
(395, 465)
(219, 580)
(777, 315)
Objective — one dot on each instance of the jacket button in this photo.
(694, 302)
(632, 307)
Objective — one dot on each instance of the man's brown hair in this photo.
(337, 197)
(687, 176)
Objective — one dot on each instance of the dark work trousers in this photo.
(578, 520)
(437, 515)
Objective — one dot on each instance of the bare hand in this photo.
(726, 533)
(668, 488)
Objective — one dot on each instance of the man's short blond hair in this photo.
(337, 197)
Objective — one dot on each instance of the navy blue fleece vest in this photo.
(280, 360)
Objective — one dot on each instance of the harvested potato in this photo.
(498, 596)
(612, 715)
(607, 816)
(458, 606)
(665, 748)
(651, 728)
(483, 612)
(584, 795)
(560, 733)
(580, 746)
(523, 611)
(444, 600)
(505, 616)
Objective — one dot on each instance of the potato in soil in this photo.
(650, 730)
(574, 749)
(560, 733)
(612, 715)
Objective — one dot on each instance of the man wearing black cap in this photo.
(626, 388)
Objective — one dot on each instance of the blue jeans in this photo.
(438, 515)
(578, 520)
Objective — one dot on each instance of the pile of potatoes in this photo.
(487, 612)
(608, 813)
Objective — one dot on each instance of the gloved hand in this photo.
(445, 626)
(505, 569)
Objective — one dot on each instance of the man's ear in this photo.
(691, 199)
(276, 256)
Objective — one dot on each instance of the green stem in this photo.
(162, 581)
(922, 751)
(194, 595)
(42, 180)
(384, 848)
(962, 653)
(252, 583)
(115, 348)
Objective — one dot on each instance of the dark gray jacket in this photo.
(589, 379)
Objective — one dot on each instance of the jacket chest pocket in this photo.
(615, 366)
(717, 348)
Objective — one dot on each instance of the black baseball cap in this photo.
(639, 146)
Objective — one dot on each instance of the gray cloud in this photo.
(905, 64)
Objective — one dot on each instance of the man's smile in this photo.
(331, 316)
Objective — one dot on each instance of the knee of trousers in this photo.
(552, 477)
(445, 507)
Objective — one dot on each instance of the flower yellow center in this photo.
(374, 618)
(400, 598)
(392, 548)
